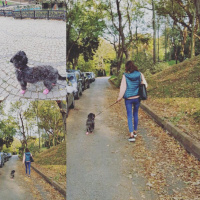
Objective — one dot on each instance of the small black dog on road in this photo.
(90, 123)
(25, 74)
(12, 174)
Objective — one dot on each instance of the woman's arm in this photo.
(24, 158)
(144, 80)
(122, 88)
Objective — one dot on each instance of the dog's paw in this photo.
(22, 91)
(46, 91)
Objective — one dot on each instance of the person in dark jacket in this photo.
(129, 91)
(27, 161)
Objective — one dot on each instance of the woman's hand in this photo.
(119, 99)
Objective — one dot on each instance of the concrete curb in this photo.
(186, 141)
(53, 183)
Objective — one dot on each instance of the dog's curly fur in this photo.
(25, 74)
(12, 174)
(90, 123)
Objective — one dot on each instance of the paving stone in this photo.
(34, 95)
(44, 43)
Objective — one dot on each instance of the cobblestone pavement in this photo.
(44, 42)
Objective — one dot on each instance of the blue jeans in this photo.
(28, 167)
(132, 104)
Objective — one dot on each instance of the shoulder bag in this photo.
(31, 159)
(142, 90)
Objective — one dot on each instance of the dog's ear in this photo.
(23, 53)
(24, 60)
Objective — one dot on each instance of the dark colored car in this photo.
(91, 76)
(75, 83)
(79, 76)
(86, 80)
(1, 159)
(6, 157)
(70, 97)
(9, 155)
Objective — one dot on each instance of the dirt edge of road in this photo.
(51, 182)
(54, 184)
(185, 140)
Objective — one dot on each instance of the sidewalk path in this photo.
(22, 187)
(44, 42)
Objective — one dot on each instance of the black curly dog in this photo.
(12, 174)
(90, 123)
(25, 74)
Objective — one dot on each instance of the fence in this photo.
(35, 14)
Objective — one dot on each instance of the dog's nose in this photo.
(11, 60)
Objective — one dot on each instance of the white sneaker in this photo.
(131, 139)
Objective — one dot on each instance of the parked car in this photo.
(75, 83)
(1, 159)
(91, 76)
(86, 80)
(70, 97)
(6, 158)
(9, 155)
(79, 76)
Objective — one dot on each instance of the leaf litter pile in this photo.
(170, 172)
(37, 187)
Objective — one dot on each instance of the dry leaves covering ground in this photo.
(170, 171)
(179, 111)
(39, 189)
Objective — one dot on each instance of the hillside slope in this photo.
(54, 156)
(174, 95)
(181, 80)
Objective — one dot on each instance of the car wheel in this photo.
(67, 113)
(73, 104)
(78, 95)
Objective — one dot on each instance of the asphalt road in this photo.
(96, 164)
(10, 188)
(23, 187)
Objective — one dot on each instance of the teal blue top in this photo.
(27, 156)
(132, 84)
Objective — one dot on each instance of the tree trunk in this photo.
(185, 34)
(192, 35)
(197, 5)
(136, 36)
(154, 32)
(158, 43)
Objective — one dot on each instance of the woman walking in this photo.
(27, 160)
(129, 91)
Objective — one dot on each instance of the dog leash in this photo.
(108, 107)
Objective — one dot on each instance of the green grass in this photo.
(181, 80)
(53, 156)
(172, 62)
(177, 89)
(9, 3)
